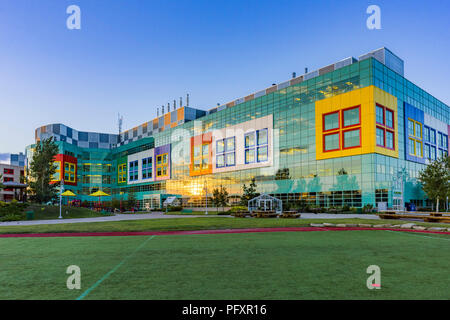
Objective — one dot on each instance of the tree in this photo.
(249, 192)
(1, 180)
(131, 199)
(220, 197)
(42, 169)
(216, 198)
(435, 179)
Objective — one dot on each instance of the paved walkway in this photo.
(157, 215)
(223, 231)
(117, 217)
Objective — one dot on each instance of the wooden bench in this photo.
(426, 218)
(289, 214)
(264, 214)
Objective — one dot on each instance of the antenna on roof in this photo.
(174, 104)
(294, 74)
(157, 112)
(162, 110)
(187, 100)
(306, 70)
(181, 102)
(119, 123)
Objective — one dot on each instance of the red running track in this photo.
(223, 231)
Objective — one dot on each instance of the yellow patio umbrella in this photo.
(99, 194)
(68, 193)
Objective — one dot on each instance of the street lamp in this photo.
(206, 196)
(61, 189)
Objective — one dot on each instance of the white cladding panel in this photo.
(139, 156)
(238, 131)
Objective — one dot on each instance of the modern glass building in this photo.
(335, 136)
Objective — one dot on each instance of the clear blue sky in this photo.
(132, 56)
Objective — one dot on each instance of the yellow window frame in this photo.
(70, 172)
(161, 164)
(414, 128)
(57, 171)
(122, 173)
(414, 153)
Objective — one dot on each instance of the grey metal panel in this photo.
(238, 101)
(103, 145)
(311, 75)
(260, 93)
(94, 137)
(63, 130)
(283, 85)
(83, 144)
(174, 116)
(345, 62)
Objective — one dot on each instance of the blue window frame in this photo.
(432, 136)
(133, 170)
(433, 153)
(256, 146)
(225, 152)
(426, 133)
(147, 166)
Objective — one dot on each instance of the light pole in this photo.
(398, 180)
(61, 189)
(206, 196)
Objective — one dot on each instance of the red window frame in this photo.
(343, 138)
(352, 125)
(327, 114)
(384, 137)
(339, 141)
(384, 116)
(393, 138)
(385, 127)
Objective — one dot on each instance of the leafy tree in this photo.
(42, 169)
(131, 199)
(435, 179)
(220, 197)
(249, 192)
(216, 198)
(1, 180)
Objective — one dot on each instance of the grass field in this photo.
(187, 223)
(42, 212)
(276, 265)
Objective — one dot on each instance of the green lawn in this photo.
(200, 223)
(193, 213)
(279, 265)
(42, 212)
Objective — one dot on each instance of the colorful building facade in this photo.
(335, 136)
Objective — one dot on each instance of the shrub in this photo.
(12, 208)
(13, 217)
(237, 209)
(368, 208)
(174, 208)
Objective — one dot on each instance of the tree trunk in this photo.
(437, 205)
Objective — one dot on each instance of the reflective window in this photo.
(352, 138)
(380, 137)
(351, 117)
(389, 140)
(389, 118)
(379, 114)
(331, 142)
(331, 121)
